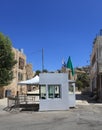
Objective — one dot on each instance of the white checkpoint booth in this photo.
(54, 92)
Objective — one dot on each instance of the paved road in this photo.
(84, 117)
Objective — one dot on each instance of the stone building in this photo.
(29, 75)
(22, 71)
(96, 67)
(29, 72)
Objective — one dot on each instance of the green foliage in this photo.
(82, 81)
(38, 72)
(7, 61)
(45, 71)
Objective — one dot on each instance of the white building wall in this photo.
(55, 103)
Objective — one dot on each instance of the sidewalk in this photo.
(3, 104)
(80, 100)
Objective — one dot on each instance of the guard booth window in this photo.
(42, 91)
(71, 88)
(54, 91)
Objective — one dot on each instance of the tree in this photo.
(45, 71)
(7, 61)
(82, 81)
(37, 72)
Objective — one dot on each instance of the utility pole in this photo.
(42, 59)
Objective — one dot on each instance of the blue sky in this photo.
(62, 28)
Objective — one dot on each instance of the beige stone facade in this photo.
(22, 71)
(29, 72)
(96, 68)
(19, 73)
(29, 75)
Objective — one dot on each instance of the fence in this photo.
(23, 102)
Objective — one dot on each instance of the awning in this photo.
(32, 81)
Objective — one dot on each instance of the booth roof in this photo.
(34, 80)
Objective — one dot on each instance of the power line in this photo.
(42, 58)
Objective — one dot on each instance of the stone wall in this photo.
(19, 70)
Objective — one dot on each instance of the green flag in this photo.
(69, 65)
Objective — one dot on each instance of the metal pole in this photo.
(42, 59)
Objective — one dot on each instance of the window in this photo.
(21, 63)
(42, 91)
(93, 59)
(20, 76)
(54, 91)
(29, 88)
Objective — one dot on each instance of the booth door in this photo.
(72, 99)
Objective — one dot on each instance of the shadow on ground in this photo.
(22, 107)
(88, 96)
